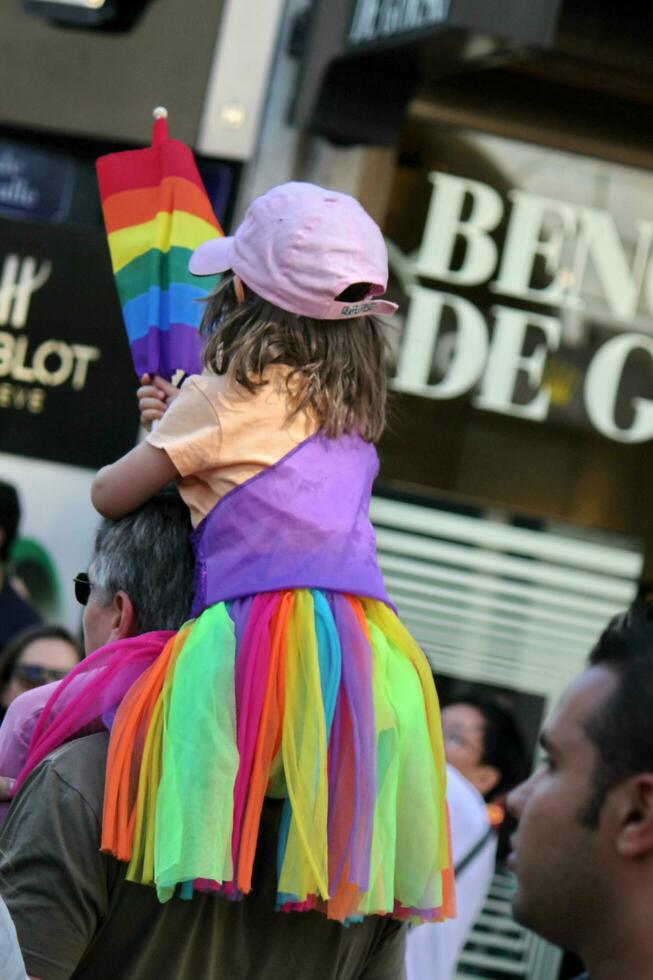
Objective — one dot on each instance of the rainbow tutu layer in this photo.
(321, 699)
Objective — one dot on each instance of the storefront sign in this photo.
(66, 378)
(51, 363)
(376, 20)
(34, 183)
(574, 244)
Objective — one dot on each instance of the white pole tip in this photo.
(160, 112)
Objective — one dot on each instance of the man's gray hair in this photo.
(148, 555)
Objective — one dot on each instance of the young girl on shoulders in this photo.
(294, 677)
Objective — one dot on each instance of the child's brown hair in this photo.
(337, 367)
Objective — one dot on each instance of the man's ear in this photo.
(124, 618)
(633, 811)
(486, 778)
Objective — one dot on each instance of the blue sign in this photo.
(35, 183)
(218, 181)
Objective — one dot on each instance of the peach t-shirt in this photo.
(218, 435)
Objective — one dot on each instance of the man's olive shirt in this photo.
(77, 917)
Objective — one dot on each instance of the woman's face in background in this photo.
(43, 660)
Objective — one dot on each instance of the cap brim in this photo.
(211, 257)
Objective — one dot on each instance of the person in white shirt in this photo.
(485, 758)
(11, 961)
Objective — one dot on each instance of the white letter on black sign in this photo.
(19, 280)
(599, 240)
(444, 224)
(602, 387)
(506, 360)
(531, 232)
(419, 342)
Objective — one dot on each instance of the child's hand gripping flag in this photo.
(156, 212)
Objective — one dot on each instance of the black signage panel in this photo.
(35, 183)
(67, 384)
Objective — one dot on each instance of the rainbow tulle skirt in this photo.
(321, 699)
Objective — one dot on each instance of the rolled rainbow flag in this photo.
(156, 212)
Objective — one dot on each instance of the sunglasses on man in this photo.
(82, 588)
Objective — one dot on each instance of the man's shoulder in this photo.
(73, 759)
(89, 747)
(80, 765)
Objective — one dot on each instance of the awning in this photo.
(364, 59)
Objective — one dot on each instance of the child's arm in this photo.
(121, 487)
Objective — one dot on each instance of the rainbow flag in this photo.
(156, 212)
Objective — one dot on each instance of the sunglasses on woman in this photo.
(34, 676)
(82, 588)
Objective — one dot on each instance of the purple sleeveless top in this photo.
(299, 524)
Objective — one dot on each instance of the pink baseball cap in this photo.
(299, 246)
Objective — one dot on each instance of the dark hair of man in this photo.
(9, 518)
(504, 747)
(338, 367)
(620, 728)
(148, 555)
(40, 631)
